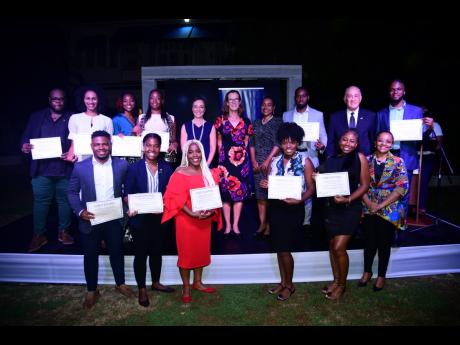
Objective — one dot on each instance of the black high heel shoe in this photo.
(362, 283)
(376, 288)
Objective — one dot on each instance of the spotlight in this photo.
(187, 20)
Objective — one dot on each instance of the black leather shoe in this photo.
(144, 303)
(164, 288)
(143, 298)
(362, 284)
(376, 289)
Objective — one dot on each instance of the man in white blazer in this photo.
(302, 112)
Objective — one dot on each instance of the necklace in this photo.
(380, 162)
(268, 119)
(193, 131)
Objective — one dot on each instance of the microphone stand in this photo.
(442, 158)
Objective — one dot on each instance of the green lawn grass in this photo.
(421, 301)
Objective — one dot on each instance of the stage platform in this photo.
(419, 250)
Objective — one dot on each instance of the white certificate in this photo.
(311, 130)
(164, 140)
(82, 144)
(105, 211)
(407, 130)
(332, 184)
(145, 202)
(126, 146)
(284, 187)
(46, 148)
(206, 198)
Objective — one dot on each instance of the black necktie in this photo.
(352, 121)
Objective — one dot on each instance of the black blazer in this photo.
(366, 127)
(136, 182)
(33, 131)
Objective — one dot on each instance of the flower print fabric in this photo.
(234, 159)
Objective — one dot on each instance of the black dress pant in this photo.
(148, 236)
(112, 232)
(378, 237)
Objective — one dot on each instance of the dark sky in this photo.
(334, 53)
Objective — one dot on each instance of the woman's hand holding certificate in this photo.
(332, 184)
(205, 199)
(285, 187)
(145, 203)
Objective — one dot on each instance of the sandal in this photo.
(333, 295)
(328, 288)
(276, 289)
(280, 297)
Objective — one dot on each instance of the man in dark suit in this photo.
(362, 120)
(98, 179)
(50, 176)
(399, 109)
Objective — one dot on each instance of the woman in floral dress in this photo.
(233, 133)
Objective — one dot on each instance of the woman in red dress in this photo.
(193, 229)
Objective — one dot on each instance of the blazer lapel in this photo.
(116, 178)
(142, 171)
(91, 184)
(344, 121)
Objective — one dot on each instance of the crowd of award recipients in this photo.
(356, 141)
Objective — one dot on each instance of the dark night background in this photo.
(334, 53)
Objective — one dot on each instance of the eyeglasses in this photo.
(54, 99)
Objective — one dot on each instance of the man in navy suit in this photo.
(362, 120)
(399, 109)
(50, 176)
(99, 179)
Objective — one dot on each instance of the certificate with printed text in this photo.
(284, 187)
(407, 130)
(206, 198)
(126, 146)
(105, 211)
(332, 184)
(46, 148)
(82, 144)
(164, 140)
(145, 202)
(311, 130)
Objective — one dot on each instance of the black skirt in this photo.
(285, 225)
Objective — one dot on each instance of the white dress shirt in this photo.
(103, 179)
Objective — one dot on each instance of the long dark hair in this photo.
(148, 113)
(352, 156)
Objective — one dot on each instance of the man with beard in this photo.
(302, 112)
(50, 176)
(99, 179)
(399, 109)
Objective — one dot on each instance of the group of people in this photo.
(379, 182)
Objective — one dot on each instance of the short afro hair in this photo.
(290, 130)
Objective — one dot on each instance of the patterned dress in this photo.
(234, 159)
(263, 141)
(393, 177)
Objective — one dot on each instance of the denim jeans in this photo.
(45, 189)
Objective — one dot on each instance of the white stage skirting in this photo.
(231, 269)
